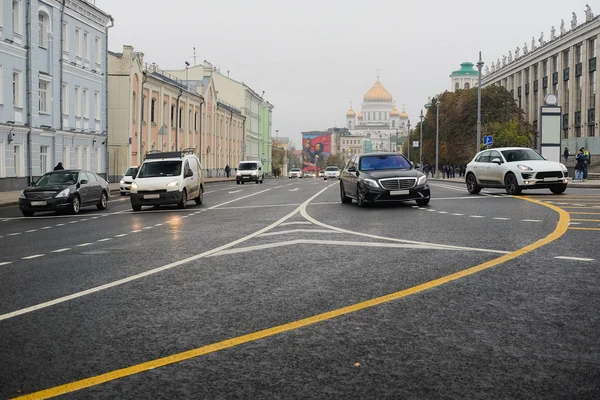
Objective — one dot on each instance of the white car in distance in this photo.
(515, 169)
(295, 173)
(332, 172)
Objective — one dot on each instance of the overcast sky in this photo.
(313, 57)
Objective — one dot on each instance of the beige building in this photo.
(564, 65)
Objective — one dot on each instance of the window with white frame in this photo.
(78, 42)
(86, 50)
(44, 25)
(65, 98)
(44, 160)
(16, 89)
(79, 157)
(66, 157)
(86, 104)
(77, 101)
(99, 160)
(18, 160)
(85, 157)
(97, 105)
(2, 154)
(65, 37)
(16, 16)
(97, 50)
(45, 88)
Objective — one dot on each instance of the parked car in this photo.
(515, 169)
(127, 180)
(332, 172)
(378, 177)
(65, 190)
(295, 173)
(321, 174)
(249, 171)
(168, 178)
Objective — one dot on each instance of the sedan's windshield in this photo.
(247, 166)
(332, 169)
(295, 170)
(131, 172)
(160, 168)
(521, 155)
(57, 178)
(377, 163)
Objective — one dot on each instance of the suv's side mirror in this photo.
(83, 182)
(351, 169)
(260, 168)
(497, 161)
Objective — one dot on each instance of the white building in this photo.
(378, 122)
(464, 78)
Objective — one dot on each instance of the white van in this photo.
(249, 171)
(168, 178)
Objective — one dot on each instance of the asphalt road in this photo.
(280, 291)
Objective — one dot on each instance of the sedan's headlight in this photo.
(422, 180)
(174, 184)
(22, 195)
(524, 167)
(63, 194)
(122, 182)
(563, 167)
(371, 183)
(134, 185)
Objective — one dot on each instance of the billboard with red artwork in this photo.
(316, 147)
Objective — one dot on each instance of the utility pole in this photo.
(409, 143)
(480, 64)
(421, 143)
(437, 139)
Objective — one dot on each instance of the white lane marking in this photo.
(296, 223)
(121, 235)
(162, 268)
(60, 225)
(148, 227)
(476, 216)
(32, 257)
(46, 227)
(14, 234)
(104, 240)
(235, 191)
(342, 243)
(31, 230)
(574, 258)
(158, 224)
(325, 203)
(294, 190)
(531, 220)
(84, 244)
(299, 231)
(5, 263)
(574, 223)
(457, 214)
(422, 208)
(62, 250)
(94, 218)
(431, 209)
(442, 212)
(137, 230)
(73, 222)
(238, 199)
(212, 191)
(261, 206)
(85, 219)
(502, 219)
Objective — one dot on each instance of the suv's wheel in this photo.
(558, 189)
(75, 205)
(511, 184)
(345, 199)
(183, 202)
(103, 201)
(472, 186)
(360, 196)
(423, 202)
(200, 197)
(136, 207)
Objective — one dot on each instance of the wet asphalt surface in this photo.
(89, 294)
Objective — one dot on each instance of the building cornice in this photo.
(92, 14)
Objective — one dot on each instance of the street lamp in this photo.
(421, 142)
(408, 144)
(479, 67)
(437, 139)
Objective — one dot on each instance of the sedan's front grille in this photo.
(40, 195)
(553, 174)
(152, 191)
(398, 183)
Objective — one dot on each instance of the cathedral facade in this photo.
(379, 125)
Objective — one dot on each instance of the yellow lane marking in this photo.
(560, 230)
(584, 229)
(583, 219)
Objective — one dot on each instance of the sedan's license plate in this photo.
(38, 203)
(152, 196)
(551, 179)
(399, 192)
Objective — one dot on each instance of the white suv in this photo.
(515, 169)
(332, 173)
(295, 173)
(168, 178)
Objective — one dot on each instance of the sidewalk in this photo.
(591, 184)
(12, 198)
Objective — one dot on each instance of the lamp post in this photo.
(480, 64)
(437, 139)
(409, 143)
(421, 142)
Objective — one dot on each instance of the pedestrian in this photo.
(580, 158)
(58, 167)
(227, 170)
(587, 160)
(566, 154)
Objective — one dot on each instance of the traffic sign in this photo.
(488, 140)
(415, 143)
(162, 131)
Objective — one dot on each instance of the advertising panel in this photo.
(316, 148)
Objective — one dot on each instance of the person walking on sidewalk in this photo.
(579, 166)
(566, 154)
(227, 170)
(587, 161)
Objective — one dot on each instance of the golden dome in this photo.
(395, 113)
(378, 94)
(403, 114)
(350, 113)
(360, 115)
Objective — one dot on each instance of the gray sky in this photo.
(313, 57)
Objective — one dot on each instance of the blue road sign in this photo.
(488, 140)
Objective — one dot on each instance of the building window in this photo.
(566, 59)
(180, 116)
(44, 25)
(196, 121)
(592, 90)
(99, 160)
(44, 88)
(535, 72)
(143, 108)
(66, 157)
(65, 37)
(578, 93)
(77, 101)
(86, 50)
(134, 99)
(467, 85)
(593, 44)
(97, 103)
(173, 115)
(16, 89)
(578, 54)
(152, 110)
(16, 16)
(44, 160)
(85, 157)
(86, 104)
(78, 42)
(79, 161)
(189, 121)
(97, 50)
(2, 161)
(566, 91)
(18, 160)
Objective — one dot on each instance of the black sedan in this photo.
(377, 177)
(64, 190)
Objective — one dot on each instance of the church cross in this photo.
(377, 73)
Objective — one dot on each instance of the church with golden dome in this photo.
(378, 121)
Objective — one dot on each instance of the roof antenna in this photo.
(194, 56)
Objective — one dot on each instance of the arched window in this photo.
(153, 110)
(467, 86)
(349, 124)
(173, 115)
(135, 108)
(457, 86)
(44, 25)
(393, 124)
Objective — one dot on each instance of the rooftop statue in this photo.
(589, 15)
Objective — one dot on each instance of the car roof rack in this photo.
(157, 154)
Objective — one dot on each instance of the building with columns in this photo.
(378, 124)
(564, 65)
(464, 78)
